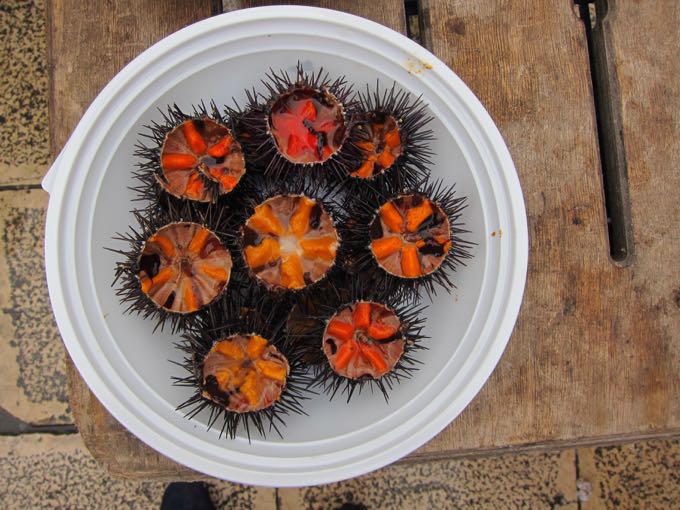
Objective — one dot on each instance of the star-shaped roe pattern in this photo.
(307, 125)
(363, 339)
(380, 143)
(200, 158)
(183, 267)
(244, 373)
(290, 242)
(410, 236)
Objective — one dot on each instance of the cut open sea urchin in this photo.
(175, 263)
(289, 240)
(408, 242)
(354, 338)
(240, 369)
(300, 126)
(390, 129)
(194, 157)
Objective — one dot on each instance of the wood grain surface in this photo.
(595, 351)
(390, 13)
(88, 43)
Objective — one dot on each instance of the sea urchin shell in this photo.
(363, 339)
(289, 242)
(410, 236)
(244, 373)
(308, 125)
(239, 367)
(353, 337)
(407, 242)
(300, 125)
(199, 152)
(390, 129)
(194, 157)
(175, 262)
(183, 267)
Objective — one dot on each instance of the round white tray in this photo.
(127, 367)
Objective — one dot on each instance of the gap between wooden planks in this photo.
(593, 353)
(596, 348)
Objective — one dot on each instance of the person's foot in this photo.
(187, 496)
(352, 506)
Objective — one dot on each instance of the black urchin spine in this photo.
(359, 260)
(243, 311)
(310, 315)
(149, 221)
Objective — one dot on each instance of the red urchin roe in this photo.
(380, 143)
(363, 339)
(244, 373)
(410, 236)
(197, 153)
(307, 125)
(183, 267)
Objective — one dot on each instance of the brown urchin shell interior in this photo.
(307, 125)
(200, 158)
(290, 242)
(244, 373)
(363, 340)
(380, 142)
(410, 236)
(183, 267)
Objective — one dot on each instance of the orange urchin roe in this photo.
(183, 267)
(380, 143)
(363, 339)
(197, 153)
(244, 373)
(289, 242)
(307, 125)
(410, 236)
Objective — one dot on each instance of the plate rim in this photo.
(128, 73)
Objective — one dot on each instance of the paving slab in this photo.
(542, 481)
(46, 471)
(631, 476)
(24, 131)
(33, 387)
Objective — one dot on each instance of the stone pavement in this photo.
(53, 469)
(56, 471)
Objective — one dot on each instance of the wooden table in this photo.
(595, 355)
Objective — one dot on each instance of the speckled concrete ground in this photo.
(637, 475)
(33, 386)
(44, 471)
(509, 481)
(49, 471)
(23, 97)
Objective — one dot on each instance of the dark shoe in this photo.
(186, 496)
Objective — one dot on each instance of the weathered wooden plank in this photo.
(596, 348)
(390, 13)
(78, 71)
(88, 43)
(643, 58)
(112, 445)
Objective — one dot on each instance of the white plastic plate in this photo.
(127, 367)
